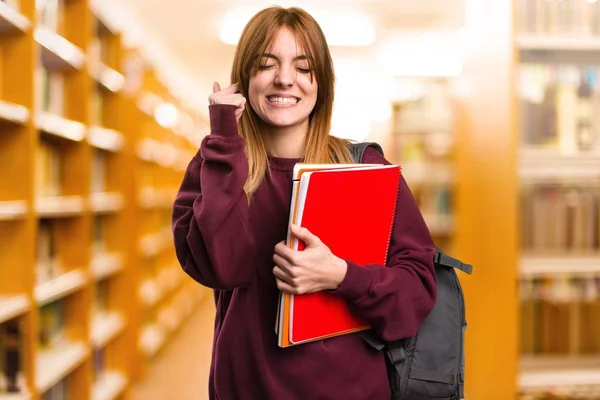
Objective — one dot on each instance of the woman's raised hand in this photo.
(229, 95)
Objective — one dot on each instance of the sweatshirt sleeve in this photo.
(395, 299)
(211, 210)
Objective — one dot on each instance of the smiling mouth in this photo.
(282, 100)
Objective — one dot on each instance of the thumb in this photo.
(216, 87)
(305, 235)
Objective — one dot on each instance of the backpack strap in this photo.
(444, 259)
(357, 150)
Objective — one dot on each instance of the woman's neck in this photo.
(286, 143)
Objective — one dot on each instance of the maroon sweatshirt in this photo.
(226, 244)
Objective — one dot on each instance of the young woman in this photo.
(230, 218)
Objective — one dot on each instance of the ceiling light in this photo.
(422, 55)
(341, 28)
(166, 115)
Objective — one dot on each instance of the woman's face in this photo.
(283, 92)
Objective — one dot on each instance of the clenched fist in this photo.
(229, 95)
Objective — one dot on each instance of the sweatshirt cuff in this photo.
(222, 120)
(357, 283)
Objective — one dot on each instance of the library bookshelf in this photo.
(528, 169)
(90, 289)
(558, 55)
(423, 141)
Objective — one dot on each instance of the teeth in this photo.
(283, 100)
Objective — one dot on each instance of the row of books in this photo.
(558, 315)
(48, 265)
(559, 106)
(50, 13)
(50, 95)
(50, 170)
(561, 288)
(554, 328)
(434, 200)
(50, 90)
(58, 391)
(11, 347)
(560, 219)
(578, 18)
(51, 325)
(48, 260)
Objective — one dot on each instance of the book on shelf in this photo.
(560, 219)
(11, 351)
(49, 170)
(49, 13)
(47, 265)
(57, 392)
(51, 325)
(571, 18)
(98, 176)
(97, 107)
(559, 315)
(99, 361)
(351, 208)
(98, 244)
(101, 297)
(49, 90)
(560, 106)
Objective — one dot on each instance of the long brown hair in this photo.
(257, 36)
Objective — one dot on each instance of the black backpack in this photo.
(431, 364)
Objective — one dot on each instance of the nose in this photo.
(286, 76)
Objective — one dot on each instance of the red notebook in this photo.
(352, 211)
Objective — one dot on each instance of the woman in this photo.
(231, 215)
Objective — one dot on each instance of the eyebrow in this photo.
(300, 57)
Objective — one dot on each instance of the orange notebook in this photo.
(352, 210)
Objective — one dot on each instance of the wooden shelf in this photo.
(152, 244)
(11, 112)
(424, 173)
(105, 327)
(151, 340)
(63, 206)
(55, 125)
(74, 128)
(147, 149)
(12, 20)
(106, 265)
(150, 197)
(60, 286)
(545, 372)
(58, 52)
(566, 43)
(439, 224)
(105, 202)
(573, 265)
(548, 165)
(169, 319)
(13, 306)
(15, 396)
(107, 77)
(150, 292)
(55, 364)
(110, 386)
(105, 139)
(10, 210)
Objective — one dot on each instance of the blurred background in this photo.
(491, 107)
